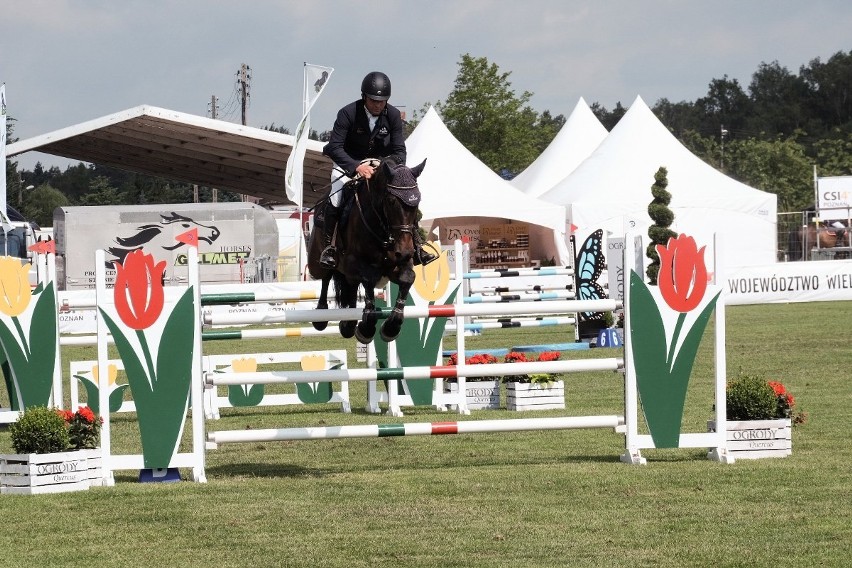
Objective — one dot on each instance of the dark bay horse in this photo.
(376, 245)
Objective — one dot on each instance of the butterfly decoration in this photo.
(590, 263)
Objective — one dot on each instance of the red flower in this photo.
(683, 276)
(549, 356)
(66, 415)
(481, 359)
(516, 357)
(139, 296)
(86, 414)
(778, 388)
(454, 359)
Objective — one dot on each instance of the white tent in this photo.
(458, 188)
(611, 189)
(576, 140)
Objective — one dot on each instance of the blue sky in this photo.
(68, 61)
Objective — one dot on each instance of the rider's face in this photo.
(374, 107)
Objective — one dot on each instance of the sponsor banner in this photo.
(835, 197)
(615, 267)
(812, 281)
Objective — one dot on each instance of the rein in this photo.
(388, 240)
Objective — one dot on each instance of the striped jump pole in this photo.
(424, 372)
(446, 310)
(214, 335)
(544, 322)
(269, 297)
(480, 298)
(506, 273)
(524, 288)
(416, 429)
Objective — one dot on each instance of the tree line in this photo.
(769, 135)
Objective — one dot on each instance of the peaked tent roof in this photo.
(612, 188)
(455, 183)
(574, 142)
(194, 149)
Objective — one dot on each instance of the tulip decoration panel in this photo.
(419, 342)
(665, 326)
(155, 329)
(256, 394)
(85, 374)
(29, 339)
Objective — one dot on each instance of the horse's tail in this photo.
(340, 287)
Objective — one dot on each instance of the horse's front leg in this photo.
(349, 298)
(367, 326)
(322, 303)
(393, 324)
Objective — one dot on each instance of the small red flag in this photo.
(189, 238)
(44, 247)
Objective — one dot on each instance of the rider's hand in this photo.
(365, 171)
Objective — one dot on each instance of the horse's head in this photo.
(399, 204)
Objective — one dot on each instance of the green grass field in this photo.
(558, 498)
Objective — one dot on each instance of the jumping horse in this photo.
(375, 245)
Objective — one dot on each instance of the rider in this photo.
(364, 129)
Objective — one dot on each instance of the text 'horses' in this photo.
(377, 244)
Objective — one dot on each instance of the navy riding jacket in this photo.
(352, 141)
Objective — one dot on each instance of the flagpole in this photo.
(316, 78)
(3, 195)
(300, 202)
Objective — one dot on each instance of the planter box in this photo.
(752, 439)
(49, 473)
(531, 396)
(479, 395)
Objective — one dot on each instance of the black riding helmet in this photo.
(377, 86)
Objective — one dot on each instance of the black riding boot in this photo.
(332, 215)
(423, 256)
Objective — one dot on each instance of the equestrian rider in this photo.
(364, 129)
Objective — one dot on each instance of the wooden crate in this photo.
(479, 395)
(533, 396)
(752, 439)
(32, 474)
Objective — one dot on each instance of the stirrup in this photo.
(424, 257)
(327, 257)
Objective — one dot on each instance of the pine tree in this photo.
(662, 216)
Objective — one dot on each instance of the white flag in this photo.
(316, 78)
(3, 151)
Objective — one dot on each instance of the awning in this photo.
(188, 148)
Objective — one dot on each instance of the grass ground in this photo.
(538, 499)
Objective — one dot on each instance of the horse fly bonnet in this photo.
(403, 186)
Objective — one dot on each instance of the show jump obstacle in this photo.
(160, 345)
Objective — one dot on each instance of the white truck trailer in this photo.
(237, 242)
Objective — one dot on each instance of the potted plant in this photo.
(534, 391)
(54, 451)
(760, 415)
(480, 392)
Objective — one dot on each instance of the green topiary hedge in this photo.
(750, 398)
(40, 430)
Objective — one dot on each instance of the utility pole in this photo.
(722, 134)
(244, 81)
(214, 113)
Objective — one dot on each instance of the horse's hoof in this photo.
(363, 338)
(365, 333)
(388, 335)
(347, 329)
(320, 325)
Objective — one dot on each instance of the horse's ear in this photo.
(386, 167)
(416, 170)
